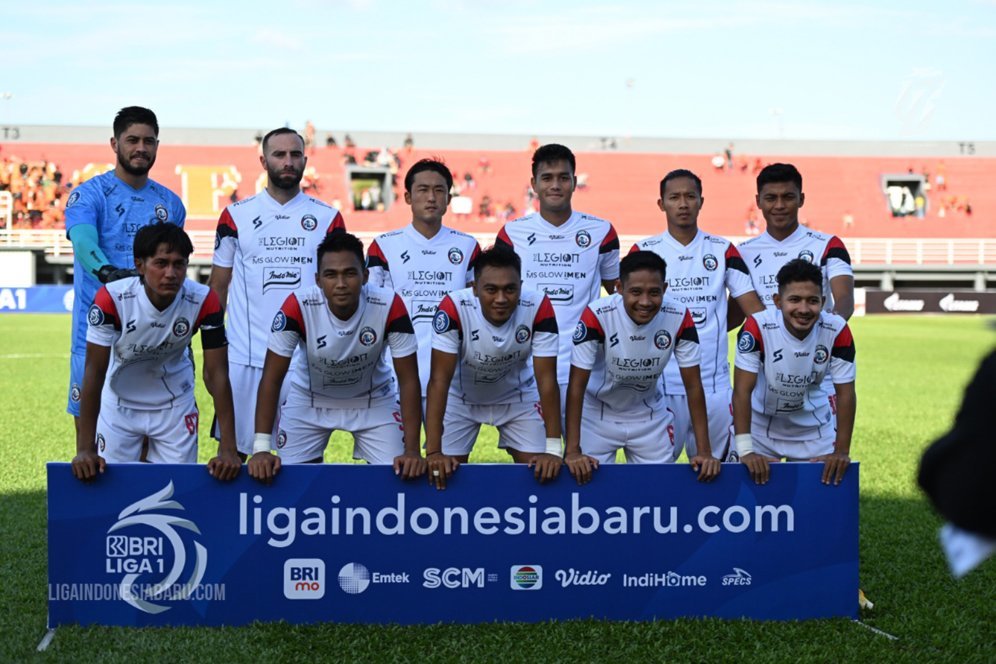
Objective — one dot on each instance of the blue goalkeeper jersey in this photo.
(117, 211)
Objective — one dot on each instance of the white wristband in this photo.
(261, 442)
(744, 444)
(553, 447)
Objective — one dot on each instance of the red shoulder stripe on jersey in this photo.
(836, 249)
(338, 225)
(635, 247)
(291, 309)
(398, 319)
(473, 256)
(105, 302)
(588, 328)
(610, 242)
(843, 345)
(687, 331)
(446, 318)
(375, 257)
(226, 225)
(546, 318)
(210, 314)
(503, 240)
(734, 261)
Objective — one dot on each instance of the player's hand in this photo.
(409, 465)
(708, 467)
(757, 466)
(546, 466)
(441, 468)
(834, 466)
(263, 466)
(86, 465)
(225, 466)
(109, 273)
(581, 466)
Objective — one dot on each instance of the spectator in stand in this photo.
(330, 142)
(468, 179)
(409, 143)
(309, 136)
(484, 165)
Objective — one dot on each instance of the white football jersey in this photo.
(494, 365)
(626, 360)
(568, 263)
(150, 367)
(789, 402)
(271, 249)
(422, 270)
(698, 276)
(764, 256)
(343, 364)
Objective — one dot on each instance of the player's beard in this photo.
(283, 180)
(139, 171)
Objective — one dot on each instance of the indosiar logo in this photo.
(526, 577)
(145, 547)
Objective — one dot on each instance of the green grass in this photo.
(910, 375)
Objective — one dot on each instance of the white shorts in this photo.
(304, 432)
(720, 413)
(172, 433)
(245, 385)
(644, 440)
(791, 450)
(520, 426)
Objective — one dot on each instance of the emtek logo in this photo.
(527, 577)
(304, 578)
(738, 578)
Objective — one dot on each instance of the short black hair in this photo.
(131, 115)
(435, 165)
(681, 173)
(642, 260)
(340, 241)
(799, 269)
(499, 256)
(779, 173)
(552, 153)
(148, 238)
(278, 132)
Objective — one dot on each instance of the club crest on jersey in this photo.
(95, 316)
(583, 239)
(521, 334)
(806, 254)
(662, 339)
(281, 439)
(455, 255)
(580, 331)
(367, 336)
(162, 214)
(821, 354)
(309, 222)
(709, 262)
(74, 392)
(101, 443)
(746, 343)
(279, 322)
(217, 242)
(181, 327)
(73, 197)
(441, 322)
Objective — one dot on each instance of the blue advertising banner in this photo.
(169, 545)
(37, 300)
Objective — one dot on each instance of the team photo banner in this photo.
(169, 545)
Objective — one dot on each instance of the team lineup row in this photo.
(504, 337)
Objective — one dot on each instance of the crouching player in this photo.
(484, 337)
(337, 331)
(138, 376)
(614, 398)
(780, 408)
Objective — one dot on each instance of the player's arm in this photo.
(87, 463)
(220, 279)
(441, 466)
(707, 466)
(735, 316)
(263, 465)
(842, 288)
(226, 465)
(748, 304)
(86, 247)
(547, 465)
(608, 260)
(225, 242)
(836, 463)
(410, 464)
(743, 385)
(579, 464)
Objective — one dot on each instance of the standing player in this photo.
(425, 260)
(481, 373)
(565, 254)
(780, 409)
(340, 380)
(623, 343)
(102, 216)
(264, 249)
(138, 381)
(700, 269)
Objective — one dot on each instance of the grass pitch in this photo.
(911, 371)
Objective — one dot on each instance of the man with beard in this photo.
(102, 216)
(265, 249)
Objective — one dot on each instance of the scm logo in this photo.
(453, 577)
(304, 578)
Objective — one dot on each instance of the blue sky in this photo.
(819, 70)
